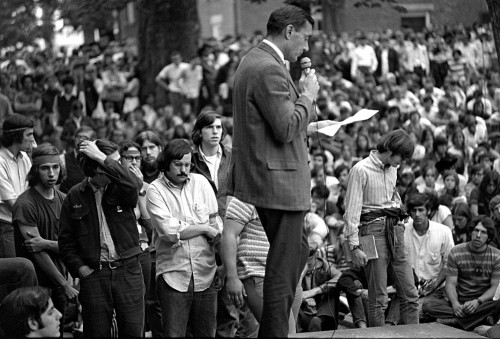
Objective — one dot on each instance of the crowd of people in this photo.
(116, 207)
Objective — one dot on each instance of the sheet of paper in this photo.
(362, 115)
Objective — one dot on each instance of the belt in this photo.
(116, 263)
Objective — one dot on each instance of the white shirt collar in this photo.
(276, 49)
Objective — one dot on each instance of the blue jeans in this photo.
(15, 273)
(7, 245)
(121, 289)
(180, 310)
(376, 274)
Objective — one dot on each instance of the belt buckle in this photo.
(112, 266)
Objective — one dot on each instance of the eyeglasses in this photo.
(82, 137)
(131, 158)
(180, 165)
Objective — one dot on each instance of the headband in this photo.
(46, 159)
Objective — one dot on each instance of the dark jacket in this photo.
(201, 167)
(79, 236)
(393, 60)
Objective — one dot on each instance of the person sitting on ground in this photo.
(461, 218)
(472, 277)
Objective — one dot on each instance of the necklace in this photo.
(478, 270)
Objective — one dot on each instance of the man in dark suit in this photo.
(387, 57)
(269, 168)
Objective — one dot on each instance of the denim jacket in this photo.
(79, 235)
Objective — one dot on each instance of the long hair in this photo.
(20, 306)
(398, 142)
(203, 120)
(33, 176)
(455, 191)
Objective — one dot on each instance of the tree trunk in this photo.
(494, 7)
(164, 26)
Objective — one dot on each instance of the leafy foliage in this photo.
(17, 22)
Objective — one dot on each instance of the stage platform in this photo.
(429, 330)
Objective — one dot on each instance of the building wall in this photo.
(442, 12)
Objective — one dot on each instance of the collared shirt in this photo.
(13, 172)
(428, 254)
(276, 49)
(213, 163)
(173, 210)
(108, 250)
(371, 186)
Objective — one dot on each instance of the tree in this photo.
(494, 8)
(90, 15)
(164, 26)
(17, 22)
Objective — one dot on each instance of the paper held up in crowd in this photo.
(362, 115)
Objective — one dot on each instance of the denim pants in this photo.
(120, 289)
(15, 273)
(196, 311)
(7, 245)
(376, 274)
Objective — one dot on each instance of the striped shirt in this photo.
(462, 263)
(253, 245)
(371, 186)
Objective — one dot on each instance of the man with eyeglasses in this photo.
(472, 277)
(99, 242)
(184, 212)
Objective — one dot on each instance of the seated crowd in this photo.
(114, 218)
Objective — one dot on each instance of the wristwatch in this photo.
(479, 301)
(354, 247)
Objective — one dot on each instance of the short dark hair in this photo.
(476, 168)
(148, 136)
(398, 142)
(287, 15)
(203, 120)
(487, 222)
(68, 80)
(14, 127)
(88, 165)
(339, 169)
(33, 176)
(86, 128)
(126, 144)
(321, 191)
(438, 141)
(175, 150)
(418, 199)
(21, 305)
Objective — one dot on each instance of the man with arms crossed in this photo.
(269, 167)
(35, 218)
(183, 210)
(373, 207)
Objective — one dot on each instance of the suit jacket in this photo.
(269, 167)
(393, 61)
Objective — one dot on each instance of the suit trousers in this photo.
(287, 257)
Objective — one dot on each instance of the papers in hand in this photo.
(362, 115)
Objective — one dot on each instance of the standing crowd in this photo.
(115, 217)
